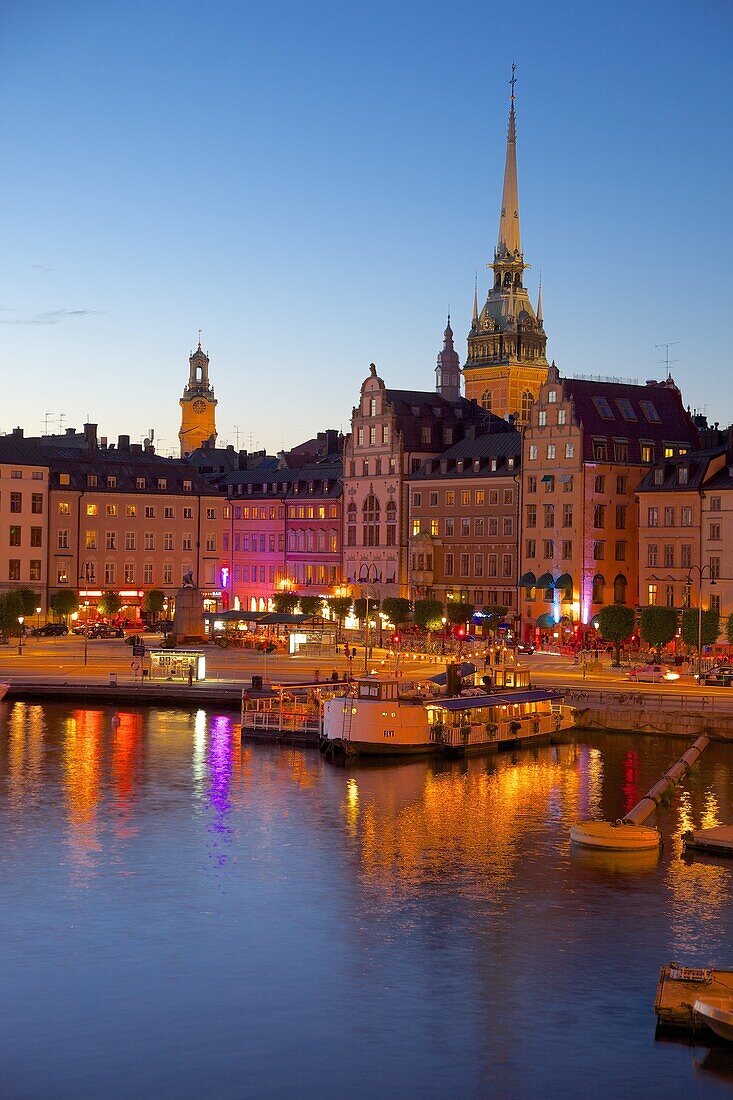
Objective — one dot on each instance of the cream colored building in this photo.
(23, 516)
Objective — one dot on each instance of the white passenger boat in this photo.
(3, 690)
(386, 716)
(717, 1013)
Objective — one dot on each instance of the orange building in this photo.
(23, 516)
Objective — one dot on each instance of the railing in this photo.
(657, 700)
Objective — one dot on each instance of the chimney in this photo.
(18, 433)
(123, 443)
(90, 434)
(136, 448)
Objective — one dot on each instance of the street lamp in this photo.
(38, 616)
(21, 620)
(700, 570)
(365, 578)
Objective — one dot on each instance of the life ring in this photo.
(135, 666)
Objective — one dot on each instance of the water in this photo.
(183, 916)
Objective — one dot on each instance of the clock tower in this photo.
(198, 405)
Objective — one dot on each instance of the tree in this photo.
(311, 605)
(729, 629)
(64, 602)
(340, 607)
(284, 602)
(428, 615)
(109, 603)
(710, 621)
(658, 625)
(492, 617)
(360, 607)
(459, 613)
(397, 609)
(616, 624)
(28, 599)
(153, 603)
(10, 608)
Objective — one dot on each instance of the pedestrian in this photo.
(334, 677)
(190, 675)
(317, 676)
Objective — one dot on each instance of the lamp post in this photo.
(38, 617)
(365, 579)
(701, 570)
(21, 620)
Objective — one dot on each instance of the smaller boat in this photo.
(615, 836)
(717, 1013)
(4, 690)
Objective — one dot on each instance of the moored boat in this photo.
(3, 690)
(386, 716)
(717, 1013)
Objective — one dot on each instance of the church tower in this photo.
(448, 370)
(198, 405)
(506, 363)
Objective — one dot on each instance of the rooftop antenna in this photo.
(667, 359)
(237, 429)
(46, 418)
(62, 417)
(251, 439)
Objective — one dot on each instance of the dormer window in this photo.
(552, 397)
(682, 475)
(510, 464)
(139, 482)
(372, 406)
(659, 477)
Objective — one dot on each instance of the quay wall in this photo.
(668, 713)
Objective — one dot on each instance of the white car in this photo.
(652, 674)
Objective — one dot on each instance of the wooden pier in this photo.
(678, 989)
(717, 841)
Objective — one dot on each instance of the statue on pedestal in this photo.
(188, 620)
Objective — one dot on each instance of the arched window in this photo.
(301, 541)
(486, 400)
(291, 540)
(309, 541)
(351, 525)
(527, 403)
(619, 589)
(370, 521)
(599, 585)
(391, 515)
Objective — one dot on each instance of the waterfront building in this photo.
(585, 450)
(198, 405)
(23, 516)
(506, 363)
(392, 433)
(686, 531)
(464, 523)
(126, 519)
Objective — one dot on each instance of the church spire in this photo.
(474, 319)
(509, 240)
(539, 300)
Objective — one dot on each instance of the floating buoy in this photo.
(616, 837)
(115, 721)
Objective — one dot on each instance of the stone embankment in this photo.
(656, 712)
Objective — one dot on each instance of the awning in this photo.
(565, 478)
(528, 580)
(544, 622)
(565, 581)
(545, 581)
(548, 477)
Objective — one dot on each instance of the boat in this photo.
(4, 690)
(717, 1013)
(615, 836)
(383, 715)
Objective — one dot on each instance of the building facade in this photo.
(23, 516)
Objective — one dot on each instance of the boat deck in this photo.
(678, 989)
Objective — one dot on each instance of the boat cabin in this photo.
(369, 687)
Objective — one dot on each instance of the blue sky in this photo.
(313, 184)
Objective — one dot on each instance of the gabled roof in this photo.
(696, 463)
(475, 456)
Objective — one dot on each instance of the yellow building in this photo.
(506, 362)
(198, 405)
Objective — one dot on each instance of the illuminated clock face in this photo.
(199, 406)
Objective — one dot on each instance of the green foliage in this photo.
(729, 629)
(311, 605)
(284, 603)
(340, 606)
(658, 625)
(360, 607)
(153, 602)
(29, 601)
(710, 627)
(64, 602)
(109, 603)
(10, 608)
(459, 613)
(397, 609)
(428, 615)
(492, 617)
(616, 624)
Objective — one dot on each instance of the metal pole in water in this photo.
(648, 804)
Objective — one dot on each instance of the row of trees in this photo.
(658, 626)
(24, 601)
(427, 614)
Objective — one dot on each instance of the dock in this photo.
(678, 989)
(716, 841)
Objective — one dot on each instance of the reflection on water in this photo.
(161, 880)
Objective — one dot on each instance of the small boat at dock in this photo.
(4, 690)
(717, 1013)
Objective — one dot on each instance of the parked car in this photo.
(50, 630)
(521, 647)
(722, 675)
(79, 628)
(653, 674)
(105, 630)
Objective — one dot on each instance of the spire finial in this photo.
(513, 81)
(509, 239)
(475, 301)
(200, 330)
(539, 299)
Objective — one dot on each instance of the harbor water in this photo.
(184, 915)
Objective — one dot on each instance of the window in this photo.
(148, 573)
(64, 509)
(110, 572)
(211, 513)
(37, 503)
(416, 526)
(129, 572)
(567, 549)
(188, 513)
(360, 437)
(508, 526)
(603, 408)
(561, 417)
(16, 473)
(652, 595)
(168, 541)
(715, 504)
(549, 548)
(187, 542)
(569, 450)
(621, 485)
(567, 515)
(659, 476)
(448, 565)
(129, 540)
(149, 540)
(370, 521)
(90, 540)
(506, 565)
(187, 486)
(686, 555)
(651, 554)
(450, 498)
(466, 497)
(652, 515)
(714, 599)
(714, 568)
(714, 531)
(149, 511)
(599, 484)
(650, 412)
(620, 517)
(647, 453)
(552, 396)
(36, 536)
(385, 433)
(686, 516)
(416, 499)
(550, 450)
(532, 452)
(64, 479)
(62, 573)
(669, 555)
(139, 482)
(599, 550)
(131, 511)
(465, 528)
(542, 418)
(486, 400)
(682, 475)
(92, 481)
(14, 569)
(110, 540)
(92, 510)
(531, 515)
(35, 569)
(530, 548)
(621, 450)
(449, 526)
(493, 496)
(16, 502)
(549, 515)
(599, 585)
(63, 540)
(169, 513)
(14, 533)
(210, 544)
(463, 560)
(434, 528)
(599, 515)
(626, 408)
(669, 516)
(167, 574)
(567, 483)
(479, 497)
(527, 403)
(433, 500)
(532, 484)
(549, 482)
(509, 496)
(493, 565)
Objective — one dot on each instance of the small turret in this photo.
(448, 370)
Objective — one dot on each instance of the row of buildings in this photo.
(545, 495)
